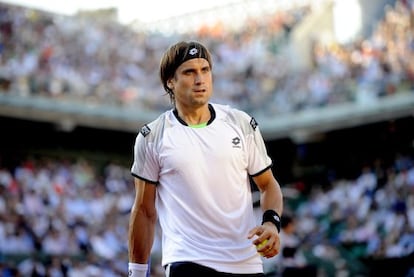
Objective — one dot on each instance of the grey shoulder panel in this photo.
(154, 129)
(247, 123)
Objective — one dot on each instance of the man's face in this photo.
(193, 83)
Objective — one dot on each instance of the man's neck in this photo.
(195, 116)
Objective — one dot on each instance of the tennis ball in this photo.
(261, 244)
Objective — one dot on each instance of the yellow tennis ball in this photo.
(261, 244)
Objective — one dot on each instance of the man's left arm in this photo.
(271, 202)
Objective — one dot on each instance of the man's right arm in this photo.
(142, 222)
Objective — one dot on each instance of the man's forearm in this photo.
(141, 235)
(272, 198)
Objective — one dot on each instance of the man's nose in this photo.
(198, 78)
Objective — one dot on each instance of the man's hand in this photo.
(267, 231)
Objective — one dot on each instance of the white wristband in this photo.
(137, 270)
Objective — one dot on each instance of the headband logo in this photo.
(193, 51)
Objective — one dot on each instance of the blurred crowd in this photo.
(64, 218)
(61, 217)
(79, 58)
(343, 225)
(70, 218)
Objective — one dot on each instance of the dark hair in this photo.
(175, 55)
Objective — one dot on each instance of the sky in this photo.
(128, 10)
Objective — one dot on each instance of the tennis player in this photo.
(192, 166)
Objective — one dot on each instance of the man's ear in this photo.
(170, 84)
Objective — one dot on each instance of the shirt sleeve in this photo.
(146, 163)
(258, 158)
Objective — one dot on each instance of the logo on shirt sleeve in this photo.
(145, 130)
(253, 123)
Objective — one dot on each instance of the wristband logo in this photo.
(130, 272)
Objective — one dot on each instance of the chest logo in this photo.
(236, 142)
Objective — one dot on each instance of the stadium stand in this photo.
(65, 200)
(56, 57)
(64, 211)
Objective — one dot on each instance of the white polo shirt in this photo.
(203, 198)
